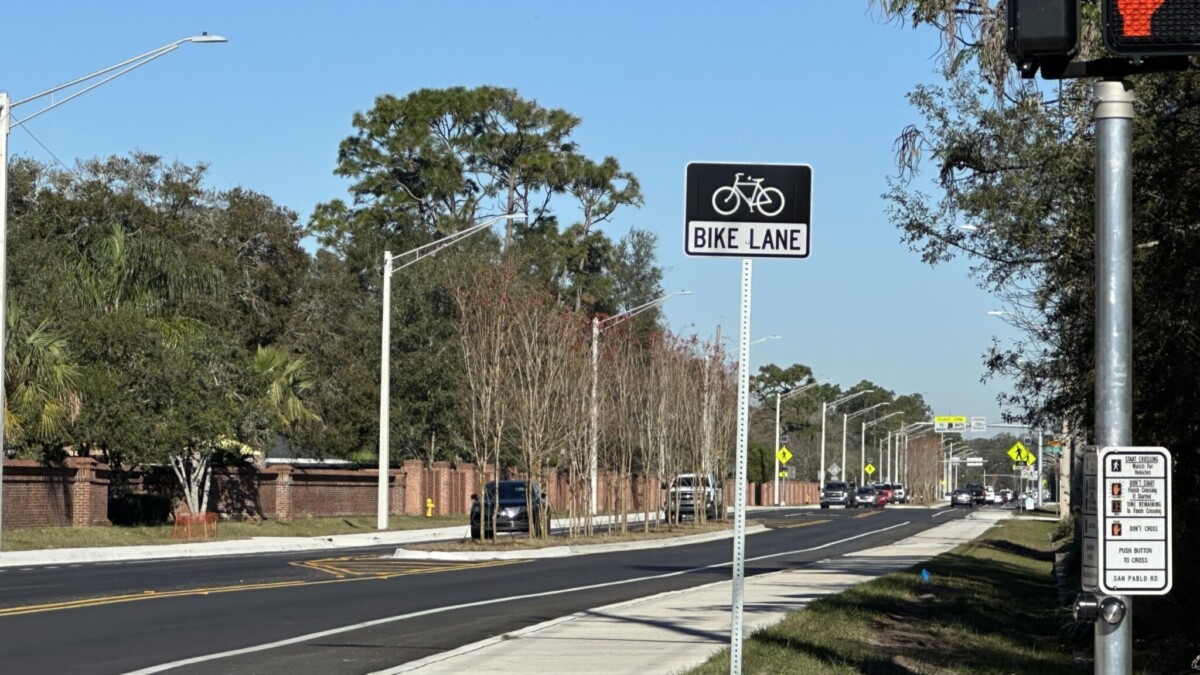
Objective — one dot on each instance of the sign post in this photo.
(746, 211)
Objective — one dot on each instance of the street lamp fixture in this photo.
(598, 325)
(846, 417)
(862, 441)
(780, 396)
(7, 122)
(824, 413)
(385, 368)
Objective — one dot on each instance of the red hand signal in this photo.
(1136, 15)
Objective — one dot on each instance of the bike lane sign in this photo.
(747, 210)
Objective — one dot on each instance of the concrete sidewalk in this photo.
(677, 631)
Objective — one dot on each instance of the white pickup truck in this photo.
(686, 492)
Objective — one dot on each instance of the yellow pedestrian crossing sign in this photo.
(783, 455)
(1019, 453)
(870, 469)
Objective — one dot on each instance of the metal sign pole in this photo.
(739, 509)
(1114, 317)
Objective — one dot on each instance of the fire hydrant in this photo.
(428, 508)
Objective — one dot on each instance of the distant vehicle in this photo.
(870, 497)
(690, 492)
(899, 494)
(962, 497)
(886, 489)
(978, 493)
(837, 492)
(1006, 495)
(514, 499)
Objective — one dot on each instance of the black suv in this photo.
(978, 493)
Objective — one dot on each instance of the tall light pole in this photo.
(824, 412)
(862, 441)
(598, 325)
(845, 418)
(385, 368)
(779, 396)
(6, 124)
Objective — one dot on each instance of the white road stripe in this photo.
(438, 610)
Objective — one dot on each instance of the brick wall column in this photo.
(414, 499)
(81, 490)
(283, 494)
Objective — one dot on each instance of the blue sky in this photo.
(820, 82)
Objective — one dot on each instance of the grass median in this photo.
(990, 606)
(38, 538)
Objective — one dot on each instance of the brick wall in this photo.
(37, 494)
(75, 492)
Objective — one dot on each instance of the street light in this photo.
(764, 339)
(385, 368)
(845, 418)
(598, 325)
(824, 411)
(779, 396)
(6, 125)
(862, 441)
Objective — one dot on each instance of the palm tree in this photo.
(287, 379)
(41, 398)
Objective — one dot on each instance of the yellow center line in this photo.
(156, 595)
(868, 513)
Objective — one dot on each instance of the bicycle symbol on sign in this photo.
(727, 199)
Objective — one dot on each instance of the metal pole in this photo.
(385, 394)
(862, 454)
(777, 397)
(1114, 316)
(821, 475)
(844, 468)
(5, 121)
(1040, 471)
(739, 510)
(594, 431)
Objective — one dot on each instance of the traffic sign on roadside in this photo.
(747, 210)
(1134, 499)
(834, 470)
(946, 423)
(783, 455)
(870, 469)
(978, 424)
(1019, 453)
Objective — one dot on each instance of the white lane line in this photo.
(438, 610)
(942, 513)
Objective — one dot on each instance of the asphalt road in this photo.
(357, 612)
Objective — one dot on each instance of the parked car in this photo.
(837, 492)
(1006, 495)
(962, 497)
(513, 500)
(870, 497)
(689, 492)
(899, 494)
(886, 489)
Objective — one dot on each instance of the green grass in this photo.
(989, 607)
(33, 539)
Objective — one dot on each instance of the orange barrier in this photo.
(187, 522)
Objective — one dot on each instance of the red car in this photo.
(885, 489)
(881, 498)
(869, 496)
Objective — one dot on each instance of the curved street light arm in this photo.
(847, 398)
(121, 68)
(451, 239)
(609, 322)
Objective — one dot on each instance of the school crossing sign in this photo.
(747, 210)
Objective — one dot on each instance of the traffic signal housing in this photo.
(1135, 27)
(1042, 31)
